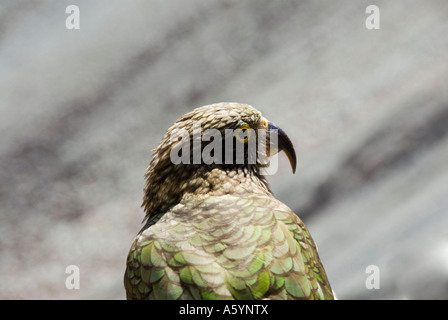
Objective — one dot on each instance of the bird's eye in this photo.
(243, 133)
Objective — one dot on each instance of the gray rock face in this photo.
(366, 109)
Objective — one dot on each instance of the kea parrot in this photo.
(212, 228)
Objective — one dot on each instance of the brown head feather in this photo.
(167, 183)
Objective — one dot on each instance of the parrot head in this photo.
(227, 138)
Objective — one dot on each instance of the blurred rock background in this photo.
(366, 109)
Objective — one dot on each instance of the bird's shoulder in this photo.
(237, 247)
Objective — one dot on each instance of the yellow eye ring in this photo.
(243, 133)
(265, 124)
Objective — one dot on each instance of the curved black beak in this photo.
(279, 141)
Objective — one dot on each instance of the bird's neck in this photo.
(165, 191)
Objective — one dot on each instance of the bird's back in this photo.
(226, 247)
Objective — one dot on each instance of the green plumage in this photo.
(225, 238)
